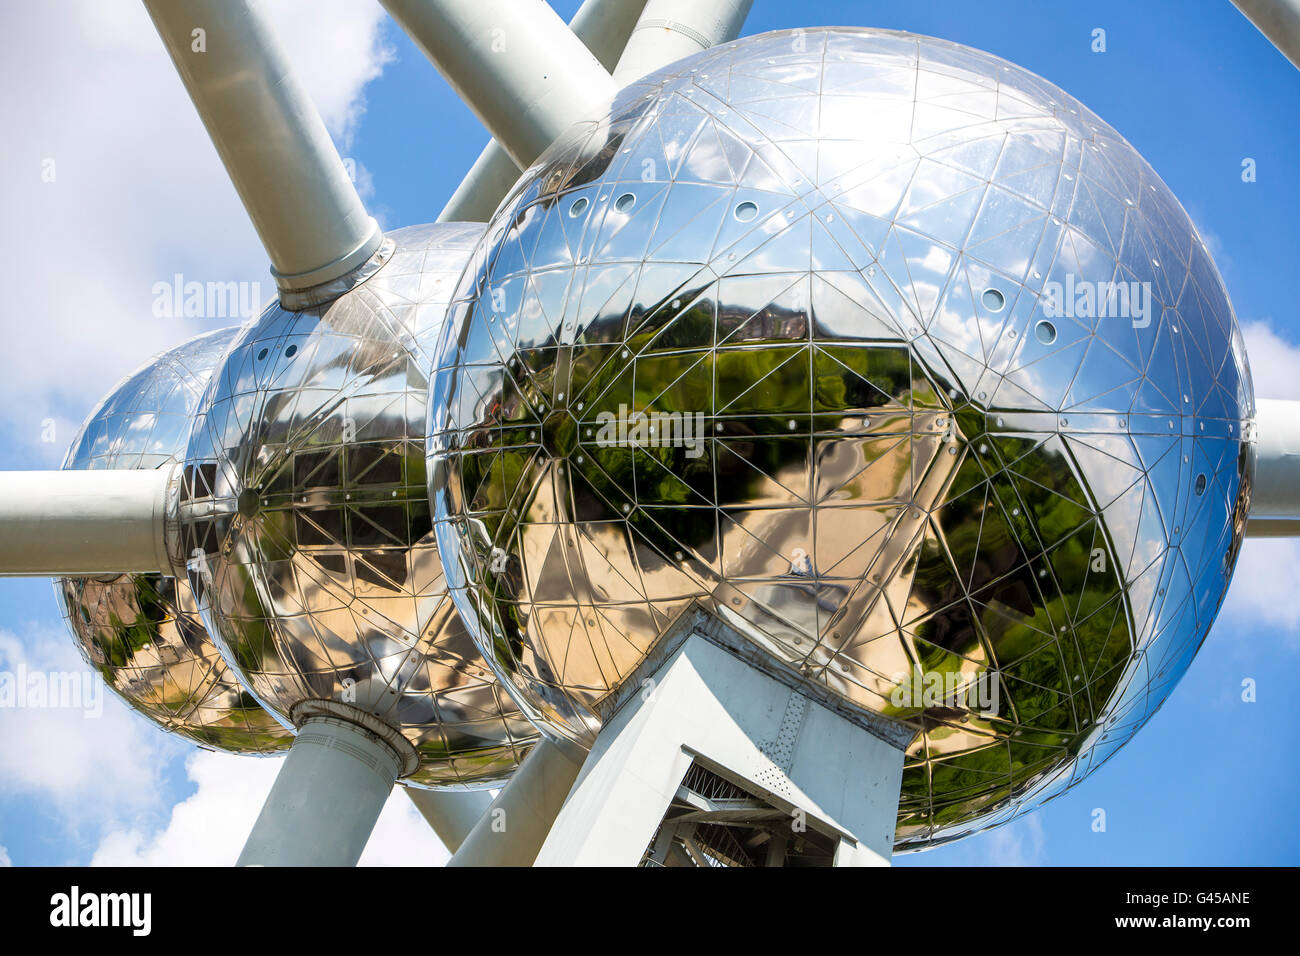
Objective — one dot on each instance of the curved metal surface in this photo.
(800, 333)
(305, 512)
(142, 632)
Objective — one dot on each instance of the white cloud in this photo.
(90, 770)
(138, 194)
(1266, 569)
(4, 857)
(1273, 361)
(1023, 842)
(403, 838)
(336, 47)
(209, 827)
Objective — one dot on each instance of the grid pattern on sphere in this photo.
(142, 632)
(305, 497)
(781, 337)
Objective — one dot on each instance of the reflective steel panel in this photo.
(306, 514)
(887, 351)
(142, 632)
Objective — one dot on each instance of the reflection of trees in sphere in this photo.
(305, 508)
(778, 337)
(142, 631)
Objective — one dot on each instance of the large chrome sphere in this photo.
(142, 632)
(306, 516)
(888, 352)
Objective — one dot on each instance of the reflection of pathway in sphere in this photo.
(790, 240)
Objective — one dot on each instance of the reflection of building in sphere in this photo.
(305, 497)
(142, 631)
(781, 337)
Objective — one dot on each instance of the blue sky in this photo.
(1189, 82)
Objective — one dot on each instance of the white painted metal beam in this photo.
(515, 63)
(665, 31)
(603, 26)
(82, 523)
(1279, 20)
(670, 30)
(325, 799)
(703, 704)
(514, 827)
(273, 143)
(1275, 496)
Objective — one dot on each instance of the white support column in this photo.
(512, 830)
(670, 30)
(603, 26)
(273, 143)
(484, 186)
(82, 523)
(515, 63)
(326, 798)
(451, 813)
(1275, 496)
(703, 703)
(1279, 20)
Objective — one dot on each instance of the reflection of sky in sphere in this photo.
(142, 632)
(924, 466)
(305, 494)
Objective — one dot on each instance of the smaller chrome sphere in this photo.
(142, 632)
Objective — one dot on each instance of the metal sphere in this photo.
(824, 331)
(142, 632)
(305, 512)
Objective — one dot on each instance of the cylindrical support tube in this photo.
(515, 63)
(326, 798)
(670, 30)
(82, 523)
(1279, 20)
(603, 26)
(451, 813)
(483, 188)
(272, 140)
(1276, 493)
(515, 826)
(1275, 496)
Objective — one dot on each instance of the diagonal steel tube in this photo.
(665, 31)
(603, 26)
(1279, 20)
(515, 63)
(670, 30)
(273, 143)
